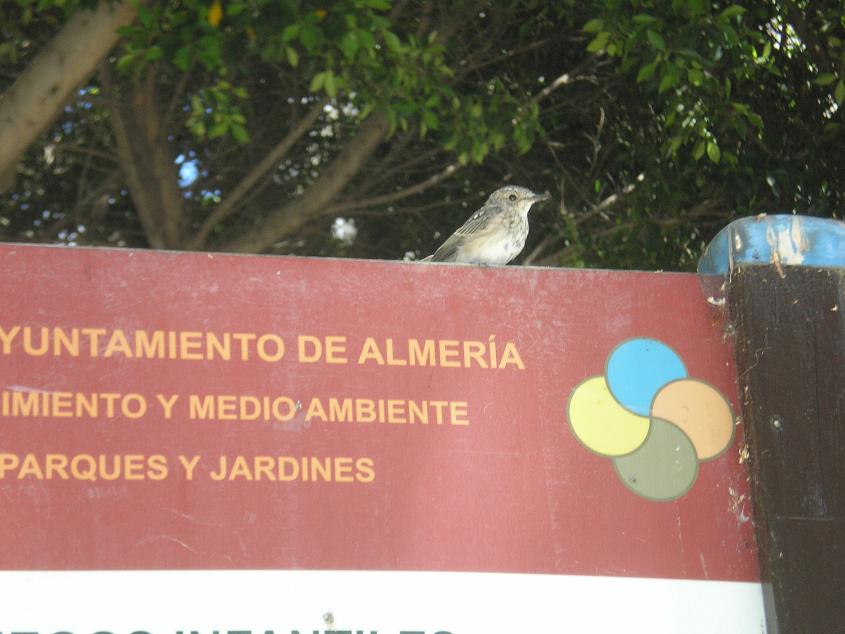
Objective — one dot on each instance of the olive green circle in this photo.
(664, 467)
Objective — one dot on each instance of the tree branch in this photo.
(419, 210)
(111, 181)
(145, 158)
(558, 258)
(605, 204)
(227, 206)
(393, 197)
(37, 97)
(386, 170)
(504, 56)
(385, 164)
(329, 184)
(131, 170)
(562, 80)
(174, 98)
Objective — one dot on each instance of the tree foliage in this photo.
(371, 128)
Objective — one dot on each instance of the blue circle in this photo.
(638, 368)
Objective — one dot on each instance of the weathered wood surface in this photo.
(790, 347)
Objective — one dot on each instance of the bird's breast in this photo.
(498, 246)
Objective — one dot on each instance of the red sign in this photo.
(185, 410)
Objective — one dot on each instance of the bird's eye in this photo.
(512, 197)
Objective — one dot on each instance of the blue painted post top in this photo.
(783, 240)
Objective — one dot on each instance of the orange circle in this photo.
(701, 411)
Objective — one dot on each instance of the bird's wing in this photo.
(477, 224)
(445, 251)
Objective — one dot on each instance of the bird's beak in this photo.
(541, 197)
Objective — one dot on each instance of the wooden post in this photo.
(790, 347)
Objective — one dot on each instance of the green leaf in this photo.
(182, 58)
(292, 56)
(656, 40)
(146, 17)
(674, 144)
(713, 151)
(269, 52)
(695, 76)
(153, 53)
(670, 118)
(329, 84)
(644, 18)
(290, 32)
(432, 101)
(239, 133)
(696, 7)
(379, 22)
(479, 151)
(392, 41)
(309, 36)
(731, 12)
(825, 79)
(755, 119)
(599, 42)
(698, 150)
(348, 44)
(208, 51)
(839, 92)
(317, 82)
(218, 130)
(646, 72)
(366, 39)
(668, 80)
(125, 61)
(235, 8)
(593, 26)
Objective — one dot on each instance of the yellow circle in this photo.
(701, 411)
(601, 423)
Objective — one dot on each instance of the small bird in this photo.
(496, 233)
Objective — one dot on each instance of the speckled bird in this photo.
(496, 233)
